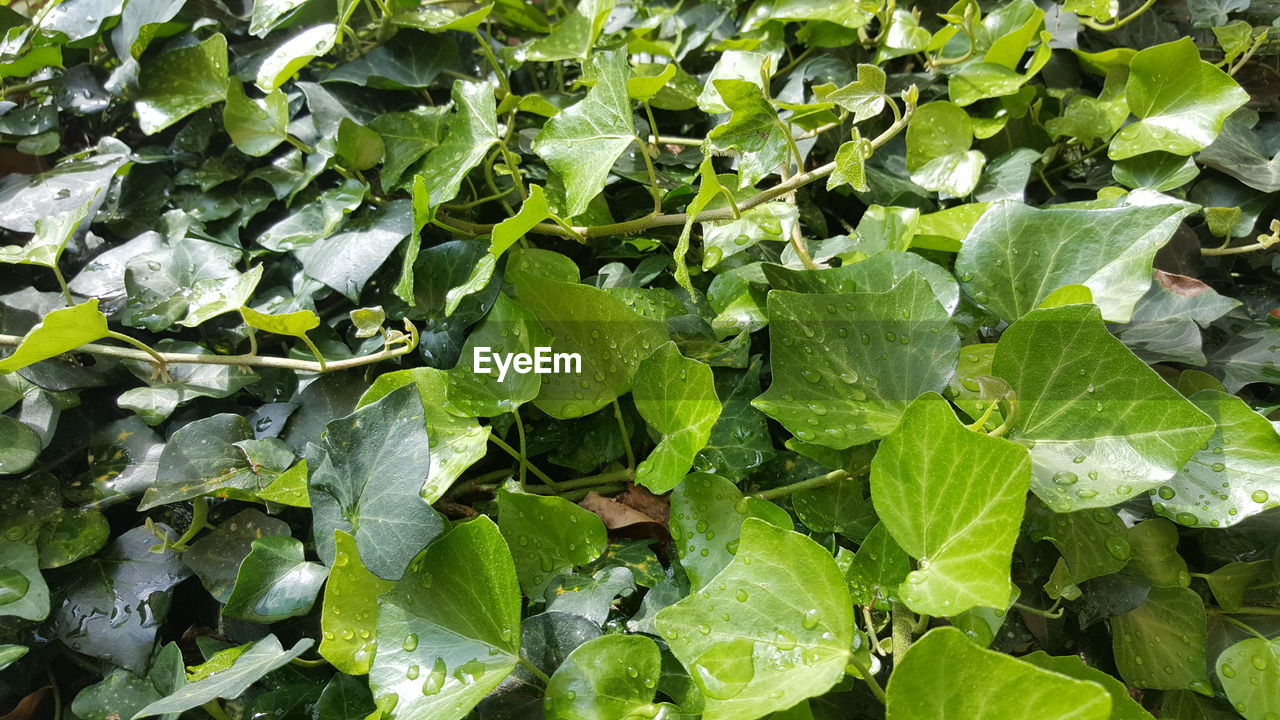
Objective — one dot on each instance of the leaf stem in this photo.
(62, 283)
(146, 354)
(1239, 250)
(869, 679)
(1052, 614)
(154, 357)
(555, 486)
(1245, 627)
(626, 437)
(1117, 24)
(524, 662)
(654, 190)
(305, 148)
(314, 351)
(1252, 610)
(199, 521)
(821, 481)
(214, 708)
(524, 457)
(488, 54)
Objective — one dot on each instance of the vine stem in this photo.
(830, 478)
(146, 354)
(524, 662)
(1116, 25)
(1245, 627)
(1239, 250)
(631, 227)
(869, 679)
(626, 438)
(555, 486)
(524, 454)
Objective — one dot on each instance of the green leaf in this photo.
(722, 239)
(1180, 100)
(707, 512)
(644, 87)
(532, 211)
(851, 168)
(508, 328)
(23, 592)
(350, 613)
(548, 536)
(455, 442)
(357, 146)
(573, 37)
(937, 129)
(1016, 255)
(872, 354)
(473, 129)
(610, 677)
(1250, 674)
(771, 629)
(739, 441)
(1161, 644)
(187, 282)
(382, 447)
(249, 666)
(9, 654)
(581, 144)
(1123, 707)
(1166, 322)
(944, 676)
(216, 557)
(215, 455)
(346, 261)
(275, 582)
(449, 631)
(1232, 477)
(753, 130)
(865, 97)
(677, 397)
(52, 235)
(406, 137)
(952, 498)
(294, 54)
(610, 338)
(181, 82)
(878, 569)
(295, 324)
(1155, 553)
(1230, 582)
(1100, 424)
(1092, 542)
(60, 331)
(256, 126)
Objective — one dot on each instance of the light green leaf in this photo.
(533, 211)
(1160, 645)
(350, 609)
(256, 126)
(180, 82)
(753, 130)
(293, 54)
(295, 324)
(1123, 707)
(275, 582)
(944, 676)
(23, 592)
(864, 97)
(854, 14)
(872, 354)
(9, 654)
(456, 442)
(952, 498)
(677, 397)
(357, 146)
(1016, 255)
(573, 37)
(1231, 478)
(937, 129)
(548, 536)
(367, 480)
(60, 331)
(581, 143)
(878, 568)
(644, 87)
(249, 666)
(473, 129)
(773, 628)
(610, 677)
(1100, 424)
(52, 235)
(722, 239)
(1250, 674)
(508, 328)
(1180, 100)
(610, 337)
(851, 168)
(734, 64)
(707, 512)
(407, 136)
(449, 631)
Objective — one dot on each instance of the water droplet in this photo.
(410, 642)
(1259, 496)
(1066, 477)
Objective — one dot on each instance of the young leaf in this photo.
(275, 582)
(610, 677)
(249, 666)
(368, 474)
(473, 129)
(846, 366)
(181, 82)
(52, 235)
(944, 676)
(255, 126)
(293, 54)
(533, 211)
(449, 631)
(707, 513)
(771, 629)
(548, 536)
(1100, 425)
(60, 331)
(952, 498)
(508, 328)
(581, 143)
(753, 130)
(216, 557)
(350, 615)
(677, 397)
(1250, 674)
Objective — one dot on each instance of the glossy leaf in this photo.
(255, 661)
(612, 676)
(60, 331)
(186, 80)
(350, 614)
(275, 582)
(677, 397)
(548, 536)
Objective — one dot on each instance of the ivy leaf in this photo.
(873, 353)
(548, 536)
(1161, 644)
(1016, 255)
(295, 324)
(739, 440)
(181, 82)
(350, 611)
(249, 666)
(357, 146)
(441, 650)
(574, 314)
(851, 165)
(508, 328)
(573, 37)
(473, 129)
(613, 676)
(407, 136)
(864, 97)
(215, 455)
(753, 130)
(773, 628)
(366, 482)
(878, 569)
(677, 397)
(256, 126)
(1229, 479)
(532, 211)
(52, 235)
(1092, 542)
(187, 282)
(878, 273)
(23, 592)
(216, 557)
(60, 331)
(1123, 707)
(945, 676)
(953, 499)
(1099, 423)
(1250, 674)
(1180, 100)
(1166, 322)
(275, 582)
(583, 141)
(707, 512)
(293, 54)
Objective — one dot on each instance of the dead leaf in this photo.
(29, 707)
